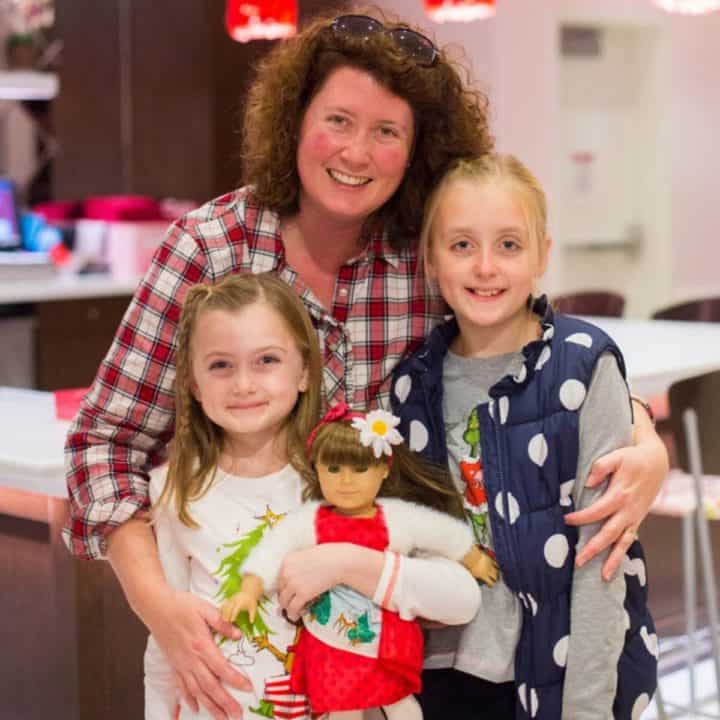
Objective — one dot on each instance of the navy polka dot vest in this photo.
(530, 437)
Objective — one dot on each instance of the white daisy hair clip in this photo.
(378, 431)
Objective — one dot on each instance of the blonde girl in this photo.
(247, 395)
(519, 402)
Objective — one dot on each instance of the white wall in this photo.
(514, 58)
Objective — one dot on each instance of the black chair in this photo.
(692, 492)
(703, 310)
(602, 303)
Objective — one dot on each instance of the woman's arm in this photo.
(636, 473)
(180, 622)
(597, 607)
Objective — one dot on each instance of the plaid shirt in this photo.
(381, 311)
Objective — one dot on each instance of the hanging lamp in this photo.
(689, 7)
(459, 10)
(260, 20)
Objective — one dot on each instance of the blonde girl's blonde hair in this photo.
(198, 442)
(410, 477)
(506, 170)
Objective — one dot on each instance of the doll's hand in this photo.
(183, 631)
(232, 607)
(482, 565)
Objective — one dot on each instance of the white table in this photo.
(661, 352)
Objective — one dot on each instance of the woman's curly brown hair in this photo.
(450, 116)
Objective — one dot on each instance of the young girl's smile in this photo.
(247, 370)
(485, 263)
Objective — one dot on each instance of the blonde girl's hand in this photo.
(184, 631)
(234, 605)
(307, 573)
(636, 474)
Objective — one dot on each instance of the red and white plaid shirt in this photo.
(381, 311)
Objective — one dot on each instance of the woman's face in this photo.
(354, 146)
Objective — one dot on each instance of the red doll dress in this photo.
(334, 679)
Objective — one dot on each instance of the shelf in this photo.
(28, 85)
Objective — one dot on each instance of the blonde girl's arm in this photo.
(597, 607)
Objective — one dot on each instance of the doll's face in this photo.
(352, 490)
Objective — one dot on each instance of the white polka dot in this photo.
(650, 640)
(572, 394)
(639, 706)
(635, 567)
(504, 405)
(566, 489)
(560, 651)
(522, 693)
(418, 436)
(544, 357)
(522, 374)
(538, 449)
(580, 338)
(402, 388)
(556, 550)
(548, 334)
(627, 619)
(513, 507)
(491, 409)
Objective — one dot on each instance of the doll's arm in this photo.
(247, 598)
(262, 567)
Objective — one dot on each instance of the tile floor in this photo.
(675, 688)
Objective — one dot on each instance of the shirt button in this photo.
(343, 292)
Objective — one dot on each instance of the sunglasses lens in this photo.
(360, 25)
(414, 44)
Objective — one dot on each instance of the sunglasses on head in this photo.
(413, 44)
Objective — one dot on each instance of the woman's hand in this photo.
(182, 626)
(636, 474)
(305, 574)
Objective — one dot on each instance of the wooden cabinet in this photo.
(71, 339)
(150, 97)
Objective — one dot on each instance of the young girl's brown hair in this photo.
(198, 442)
(411, 478)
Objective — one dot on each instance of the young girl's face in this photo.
(247, 371)
(485, 262)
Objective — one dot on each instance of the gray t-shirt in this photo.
(486, 647)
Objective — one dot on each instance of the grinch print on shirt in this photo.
(278, 700)
(471, 471)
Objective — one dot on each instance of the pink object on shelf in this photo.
(57, 211)
(130, 246)
(122, 207)
(67, 402)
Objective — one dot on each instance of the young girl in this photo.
(353, 655)
(519, 402)
(247, 395)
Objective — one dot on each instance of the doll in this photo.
(369, 490)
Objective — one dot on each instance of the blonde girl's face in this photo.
(247, 371)
(351, 490)
(485, 263)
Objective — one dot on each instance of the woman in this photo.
(347, 127)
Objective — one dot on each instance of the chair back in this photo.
(602, 303)
(701, 393)
(704, 310)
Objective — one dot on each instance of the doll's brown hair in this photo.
(410, 477)
(450, 116)
(196, 447)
